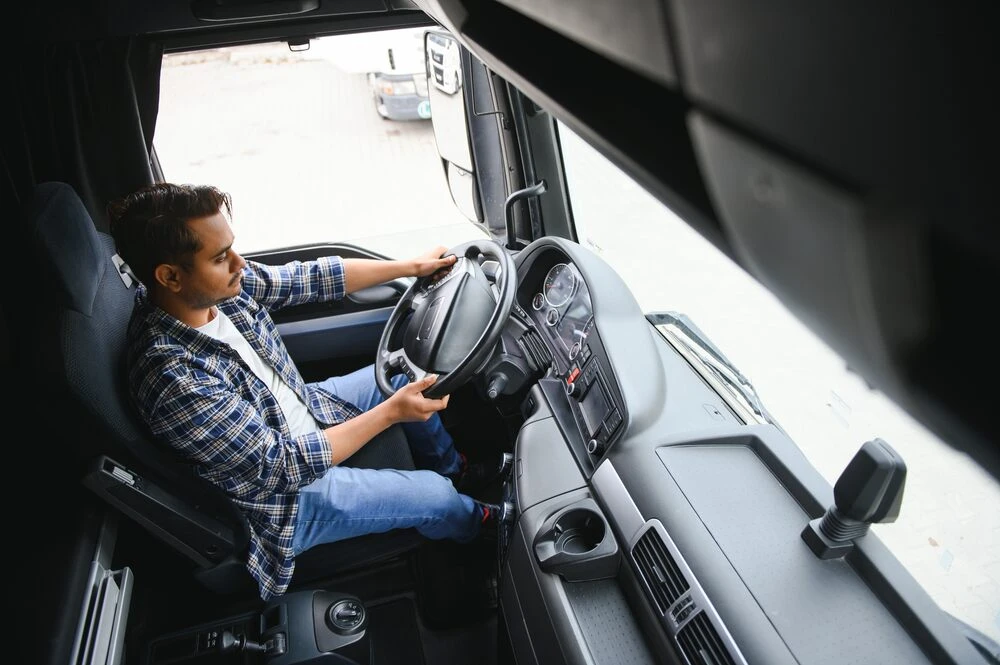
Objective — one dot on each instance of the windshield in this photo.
(948, 530)
(339, 150)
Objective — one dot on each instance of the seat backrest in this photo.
(81, 338)
(90, 307)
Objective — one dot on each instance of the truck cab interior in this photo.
(655, 511)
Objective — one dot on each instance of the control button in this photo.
(552, 317)
(538, 301)
(613, 421)
(572, 375)
(595, 447)
(345, 616)
(574, 351)
(209, 640)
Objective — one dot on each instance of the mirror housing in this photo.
(446, 89)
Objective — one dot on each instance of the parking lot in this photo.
(307, 158)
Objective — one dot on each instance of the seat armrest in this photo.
(203, 537)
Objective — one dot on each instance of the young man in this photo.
(211, 377)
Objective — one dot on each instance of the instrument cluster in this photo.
(564, 308)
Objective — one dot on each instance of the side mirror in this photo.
(446, 86)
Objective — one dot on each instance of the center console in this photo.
(556, 299)
(311, 626)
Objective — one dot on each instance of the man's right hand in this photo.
(409, 404)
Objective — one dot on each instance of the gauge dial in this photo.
(559, 285)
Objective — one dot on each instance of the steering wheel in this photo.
(449, 322)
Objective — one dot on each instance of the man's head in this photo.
(177, 240)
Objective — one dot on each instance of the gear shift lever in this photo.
(869, 490)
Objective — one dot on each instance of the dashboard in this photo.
(653, 524)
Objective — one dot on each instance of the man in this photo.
(211, 377)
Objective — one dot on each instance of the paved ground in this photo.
(298, 143)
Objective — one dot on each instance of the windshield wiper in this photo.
(700, 345)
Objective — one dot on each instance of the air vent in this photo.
(700, 643)
(658, 569)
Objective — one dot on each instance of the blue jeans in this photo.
(347, 502)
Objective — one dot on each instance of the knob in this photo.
(345, 616)
(595, 447)
(574, 389)
(869, 491)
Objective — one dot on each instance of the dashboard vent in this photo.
(534, 349)
(659, 570)
(700, 643)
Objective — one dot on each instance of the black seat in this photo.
(82, 326)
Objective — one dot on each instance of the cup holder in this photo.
(575, 543)
(578, 531)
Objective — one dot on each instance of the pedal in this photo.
(506, 464)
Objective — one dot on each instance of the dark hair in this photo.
(150, 225)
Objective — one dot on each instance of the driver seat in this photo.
(82, 327)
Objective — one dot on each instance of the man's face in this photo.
(216, 271)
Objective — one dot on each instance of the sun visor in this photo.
(635, 38)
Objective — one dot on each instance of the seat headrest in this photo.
(68, 243)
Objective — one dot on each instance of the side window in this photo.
(330, 144)
(946, 533)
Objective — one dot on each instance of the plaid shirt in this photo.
(197, 395)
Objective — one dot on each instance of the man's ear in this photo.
(168, 276)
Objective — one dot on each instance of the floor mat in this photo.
(457, 583)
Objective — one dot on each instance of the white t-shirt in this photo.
(300, 421)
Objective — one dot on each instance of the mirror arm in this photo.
(475, 107)
(508, 207)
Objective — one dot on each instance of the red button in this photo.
(572, 376)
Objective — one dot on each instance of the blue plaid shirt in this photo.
(198, 395)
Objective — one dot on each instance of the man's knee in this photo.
(437, 490)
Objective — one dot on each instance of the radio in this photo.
(595, 410)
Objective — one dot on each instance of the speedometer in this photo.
(560, 285)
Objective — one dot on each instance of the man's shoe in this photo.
(475, 476)
(492, 516)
